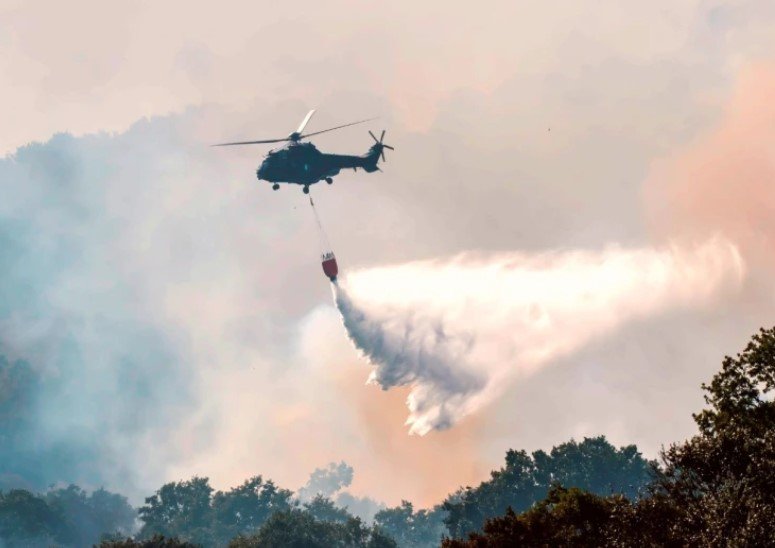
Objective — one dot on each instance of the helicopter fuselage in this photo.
(302, 163)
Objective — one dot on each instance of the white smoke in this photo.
(458, 330)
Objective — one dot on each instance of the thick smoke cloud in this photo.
(88, 381)
(458, 331)
(136, 307)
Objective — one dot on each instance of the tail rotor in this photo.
(379, 145)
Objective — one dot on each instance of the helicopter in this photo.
(301, 163)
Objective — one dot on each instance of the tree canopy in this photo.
(715, 489)
(592, 465)
(67, 516)
(299, 529)
(421, 528)
(190, 511)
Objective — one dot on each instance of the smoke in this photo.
(457, 331)
(87, 378)
(723, 179)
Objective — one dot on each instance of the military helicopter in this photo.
(301, 163)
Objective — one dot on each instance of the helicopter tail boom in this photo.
(367, 162)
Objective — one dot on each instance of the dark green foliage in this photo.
(26, 519)
(324, 509)
(245, 508)
(157, 541)
(721, 483)
(84, 518)
(188, 510)
(593, 465)
(577, 518)
(566, 517)
(410, 528)
(299, 529)
(66, 517)
(179, 509)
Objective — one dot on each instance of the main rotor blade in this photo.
(251, 142)
(306, 121)
(337, 127)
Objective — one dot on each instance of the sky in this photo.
(171, 308)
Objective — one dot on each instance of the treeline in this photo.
(259, 510)
(253, 513)
(62, 517)
(718, 488)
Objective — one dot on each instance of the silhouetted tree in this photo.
(299, 529)
(324, 509)
(720, 484)
(566, 517)
(408, 528)
(188, 510)
(593, 465)
(26, 520)
(245, 508)
(157, 541)
(84, 518)
(179, 509)
(63, 517)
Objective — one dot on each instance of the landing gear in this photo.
(275, 187)
(329, 180)
(306, 189)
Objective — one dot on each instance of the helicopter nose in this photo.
(260, 172)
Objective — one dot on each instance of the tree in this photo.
(299, 529)
(189, 511)
(716, 489)
(566, 517)
(179, 509)
(65, 517)
(111, 513)
(720, 484)
(412, 529)
(157, 541)
(83, 518)
(26, 519)
(593, 465)
(596, 466)
(245, 508)
(324, 509)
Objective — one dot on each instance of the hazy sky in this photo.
(174, 306)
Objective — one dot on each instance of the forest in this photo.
(716, 488)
